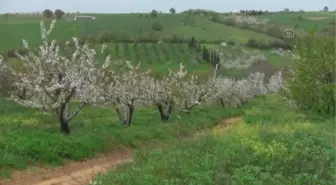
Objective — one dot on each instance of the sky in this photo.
(127, 6)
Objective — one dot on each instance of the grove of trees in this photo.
(54, 77)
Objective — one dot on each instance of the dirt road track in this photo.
(78, 173)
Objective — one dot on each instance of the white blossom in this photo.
(53, 80)
(275, 82)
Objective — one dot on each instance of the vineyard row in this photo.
(149, 53)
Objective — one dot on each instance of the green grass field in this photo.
(122, 25)
(28, 138)
(272, 145)
(302, 19)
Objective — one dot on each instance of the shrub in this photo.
(230, 42)
(153, 13)
(280, 44)
(59, 13)
(252, 43)
(11, 53)
(106, 36)
(230, 22)
(311, 79)
(91, 39)
(332, 22)
(263, 66)
(261, 44)
(48, 14)
(300, 18)
(177, 38)
(157, 26)
(172, 10)
(274, 31)
(245, 26)
(215, 18)
(23, 51)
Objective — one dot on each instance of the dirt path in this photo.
(81, 173)
(77, 173)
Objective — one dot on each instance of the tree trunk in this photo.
(64, 127)
(129, 117)
(63, 119)
(126, 120)
(222, 102)
(163, 115)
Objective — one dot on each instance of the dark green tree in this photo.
(153, 13)
(192, 43)
(205, 54)
(172, 10)
(311, 77)
(59, 13)
(47, 13)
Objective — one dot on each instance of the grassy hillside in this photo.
(302, 19)
(123, 26)
(272, 145)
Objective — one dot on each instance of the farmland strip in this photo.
(137, 52)
(166, 55)
(146, 51)
(156, 53)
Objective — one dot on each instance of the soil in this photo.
(77, 173)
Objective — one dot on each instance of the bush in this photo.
(5, 85)
(241, 155)
(47, 13)
(153, 13)
(244, 26)
(300, 18)
(332, 22)
(59, 13)
(311, 79)
(274, 31)
(23, 51)
(263, 66)
(157, 26)
(11, 53)
(91, 39)
(106, 36)
(261, 44)
(215, 18)
(252, 43)
(177, 38)
(230, 42)
(230, 22)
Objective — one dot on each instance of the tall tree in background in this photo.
(153, 13)
(47, 13)
(325, 9)
(205, 54)
(192, 43)
(172, 10)
(59, 13)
